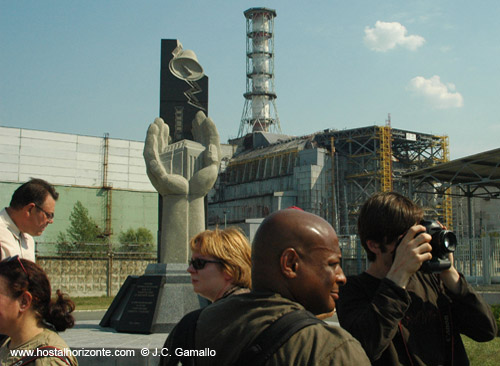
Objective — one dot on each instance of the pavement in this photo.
(105, 346)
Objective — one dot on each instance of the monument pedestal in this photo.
(153, 302)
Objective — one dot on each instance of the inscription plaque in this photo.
(139, 313)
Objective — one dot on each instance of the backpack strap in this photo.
(275, 335)
(28, 359)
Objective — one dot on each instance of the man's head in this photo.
(297, 255)
(32, 206)
(385, 217)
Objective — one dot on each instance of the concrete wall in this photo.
(91, 277)
(129, 209)
(66, 159)
(75, 165)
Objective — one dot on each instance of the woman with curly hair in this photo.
(30, 318)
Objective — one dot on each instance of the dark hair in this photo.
(23, 275)
(384, 217)
(35, 190)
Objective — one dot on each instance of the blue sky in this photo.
(92, 67)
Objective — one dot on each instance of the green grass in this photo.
(482, 354)
(92, 303)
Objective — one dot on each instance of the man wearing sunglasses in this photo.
(30, 211)
(295, 267)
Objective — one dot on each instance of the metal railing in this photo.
(478, 259)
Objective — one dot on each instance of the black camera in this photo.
(443, 242)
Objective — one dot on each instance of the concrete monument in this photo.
(182, 173)
(183, 167)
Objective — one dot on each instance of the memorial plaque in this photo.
(139, 313)
(115, 310)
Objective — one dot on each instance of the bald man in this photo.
(295, 266)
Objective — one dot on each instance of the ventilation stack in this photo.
(259, 112)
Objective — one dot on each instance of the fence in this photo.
(100, 273)
(478, 259)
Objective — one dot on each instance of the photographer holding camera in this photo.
(411, 304)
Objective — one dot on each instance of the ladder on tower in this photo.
(447, 200)
(385, 155)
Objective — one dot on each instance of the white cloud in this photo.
(439, 95)
(386, 36)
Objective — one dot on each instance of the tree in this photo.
(82, 235)
(139, 240)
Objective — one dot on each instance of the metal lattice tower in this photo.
(259, 112)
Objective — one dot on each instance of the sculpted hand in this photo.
(156, 143)
(205, 132)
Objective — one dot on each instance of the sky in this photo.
(93, 67)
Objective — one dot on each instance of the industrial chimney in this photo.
(259, 112)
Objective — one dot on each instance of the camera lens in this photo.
(448, 241)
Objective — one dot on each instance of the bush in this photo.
(138, 241)
(83, 236)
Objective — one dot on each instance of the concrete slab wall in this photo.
(66, 159)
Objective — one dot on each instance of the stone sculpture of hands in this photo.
(205, 132)
(157, 139)
(183, 213)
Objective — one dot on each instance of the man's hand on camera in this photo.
(450, 276)
(413, 250)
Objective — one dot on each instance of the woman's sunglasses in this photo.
(199, 263)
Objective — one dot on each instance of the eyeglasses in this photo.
(14, 258)
(50, 216)
(199, 263)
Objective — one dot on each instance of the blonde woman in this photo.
(221, 263)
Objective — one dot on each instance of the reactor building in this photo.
(329, 173)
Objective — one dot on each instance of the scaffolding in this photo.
(373, 159)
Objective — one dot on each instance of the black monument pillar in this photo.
(180, 100)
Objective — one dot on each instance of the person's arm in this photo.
(471, 313)
(372, 321)
(451, 278)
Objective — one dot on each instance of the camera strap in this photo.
(444, 307)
